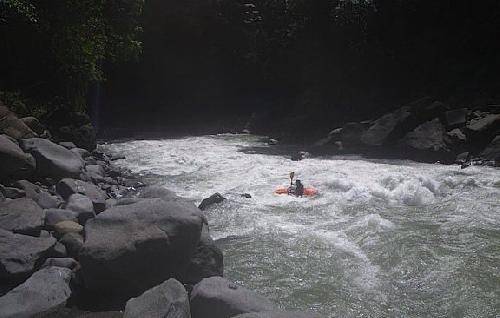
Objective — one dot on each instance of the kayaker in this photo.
(299, 188)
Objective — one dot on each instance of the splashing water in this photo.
(383, 238)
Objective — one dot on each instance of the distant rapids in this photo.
(383, 238)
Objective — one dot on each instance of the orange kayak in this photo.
(308, 192)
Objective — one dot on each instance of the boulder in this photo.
(52, 160)
(158, 192)
(279, 314)
(131, 248)
(21, 216)
(492, 151)
(351, 133)
(73, 243)
(95, 173)
(13, 126)
(32, 190)
(34, 124)
(65, 262)
(84, 154)
(21, 254)
(65, 227)
(207, 260)
(82, 205)
(85, 137)
(167, 300)
(54, 216)
(15, 163)
(45, 292)
(218, 297)
(428, 143)
(389, 127)
(47, 201)
(67, 187)
(483, 122)
(456, 118)
(213, 199)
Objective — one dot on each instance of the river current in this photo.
(382, 239)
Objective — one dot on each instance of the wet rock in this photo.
(457, 136)
(52, 161)
(84, 154)
(300, 155)
(167, 300)
(12, 126)
(462, 158)
(82, 205)
(272, 142)
(350, 134)
(42, 294)
(389, 127)
(207, 260)
(21, 216)
(73, 243)
(213, 199)
(67, 144)
(158, 192)
(16, 164)
(279, 314)
(246, 195)
(21, 254)
(67, 187)
(427, 142)
(483, 122)
(65, 227)
(492, 151)
(218, 297)
(153, 239)
(54, 216)
(34, 124)
(12, 193)
(456, 118)
(66, 262)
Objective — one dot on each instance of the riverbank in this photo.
(80, 236)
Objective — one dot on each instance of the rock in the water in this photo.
(218, 297)
(54, 216)
(213, 199)
(129, 249)
(41, 295)
(492, 151)
(246, 195)
(167, 300)
(53, 161)
(67, 187)
(15, 163)
(82, 205)
(65, 262)
(389, 127)
(65, 227)
(456, 118)
(427, 138)
(21, 216)
(207, 260)
(350, 134)
(13, 126)
(279, 314)
(158, 192)
(20, 254)
(34, 124)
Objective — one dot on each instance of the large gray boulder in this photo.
(54, 216)
(34, 124)
(21, 216)
(218, 297)
(43, 294)
(167, 300)
(351, 133)
(67, 187)
(428, 142)
(82, 205)
(456, 118)
(15, 163)
(213, 199)
(389, 127)
(21, 254)
(12, 126)
(129, 249)
(492, 151)
(158, 192)
(53, 161)
(279, 314)
(207, 260)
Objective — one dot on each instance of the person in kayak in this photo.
(296, 189)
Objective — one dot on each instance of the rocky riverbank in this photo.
(82, 238)
(425, 130)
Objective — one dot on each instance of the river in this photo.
(382, 239)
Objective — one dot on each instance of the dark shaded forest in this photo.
(296, 64)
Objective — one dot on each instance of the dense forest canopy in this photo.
(325, 61)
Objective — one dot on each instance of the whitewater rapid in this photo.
(383, 238)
